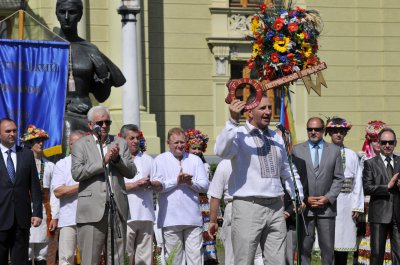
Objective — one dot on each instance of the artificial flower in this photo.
(307, 49)
(274, 57)
(279, 23)
(281, 44)
(293, 27)
(263, 8)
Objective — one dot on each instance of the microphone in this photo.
(282, 128)
(97, 129)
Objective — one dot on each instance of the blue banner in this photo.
(33, 83)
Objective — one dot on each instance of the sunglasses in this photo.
(391, 142)
(101, 123)
(133, 138)
(336, 131)
(315, 129)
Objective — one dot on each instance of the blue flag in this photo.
(33, 83)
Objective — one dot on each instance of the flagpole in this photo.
(21, 14)
(21, 24)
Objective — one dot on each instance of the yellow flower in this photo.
(300, 36)
(280, 45)
(255, 24)
(307, 49)
(256, 50)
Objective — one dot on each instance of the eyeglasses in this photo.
(315, 129)
(390, 142)
(336, 131)
(106, 122)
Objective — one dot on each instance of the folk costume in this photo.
(351, 196)
(198, 140)
(40, 236)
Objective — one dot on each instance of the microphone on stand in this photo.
(97, 130)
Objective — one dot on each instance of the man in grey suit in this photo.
(93, 210)
(325, 180)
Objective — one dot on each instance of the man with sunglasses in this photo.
(350, 202)
(380, 179)
(94, 201)
(325, 180)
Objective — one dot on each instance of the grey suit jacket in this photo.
(329, 180)
(87, 169)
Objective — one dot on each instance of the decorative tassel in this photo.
(71, 82)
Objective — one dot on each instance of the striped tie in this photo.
(10, 166)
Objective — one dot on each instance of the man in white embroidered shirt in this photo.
(259, 162)
(183, 177)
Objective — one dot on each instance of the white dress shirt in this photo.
(251, 174)
(141, 206)
(62, 177)
(179, 203)
(13, 155)
(219, 183)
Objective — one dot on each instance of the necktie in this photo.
(10, 166)
(316, 158)
(389, 168)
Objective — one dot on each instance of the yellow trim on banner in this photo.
(55, 150)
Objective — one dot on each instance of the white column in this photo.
(130, 94)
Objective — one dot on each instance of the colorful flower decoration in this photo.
(371, 135)
(373, 128)
(142, 142)
(196, 139)
(284, 40)
(33, 133)
(337, 123)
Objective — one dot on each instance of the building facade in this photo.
(190, 48)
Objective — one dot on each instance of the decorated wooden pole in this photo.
(21, 24)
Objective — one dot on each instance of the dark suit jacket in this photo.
(15, 199)
(288, 204)
(375, 181)
(329, 180)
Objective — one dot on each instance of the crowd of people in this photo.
(110, 199)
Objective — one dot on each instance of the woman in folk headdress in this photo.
(371, 148)
(197, 145)
(350, 202)
(40, 236)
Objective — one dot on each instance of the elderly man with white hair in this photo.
(92, 171)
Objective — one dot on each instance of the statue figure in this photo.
(90, 71)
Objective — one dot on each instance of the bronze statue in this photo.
(90, 72)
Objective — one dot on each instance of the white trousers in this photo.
(139, 242)
(183, 244)
(226, 238)
(67, 245)
(258, 221)
(37, 251)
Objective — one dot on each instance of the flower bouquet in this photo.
(284, 40)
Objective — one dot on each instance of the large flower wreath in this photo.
(284, 40)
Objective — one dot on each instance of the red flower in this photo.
(293, 27)
(274, 57)
(305, 35)
(300, 9)
(279, 22)
(287, 69)
(290, 56)
(263, 7)
(251, 65)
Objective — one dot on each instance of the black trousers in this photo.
(15, 242)
(379, 233)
